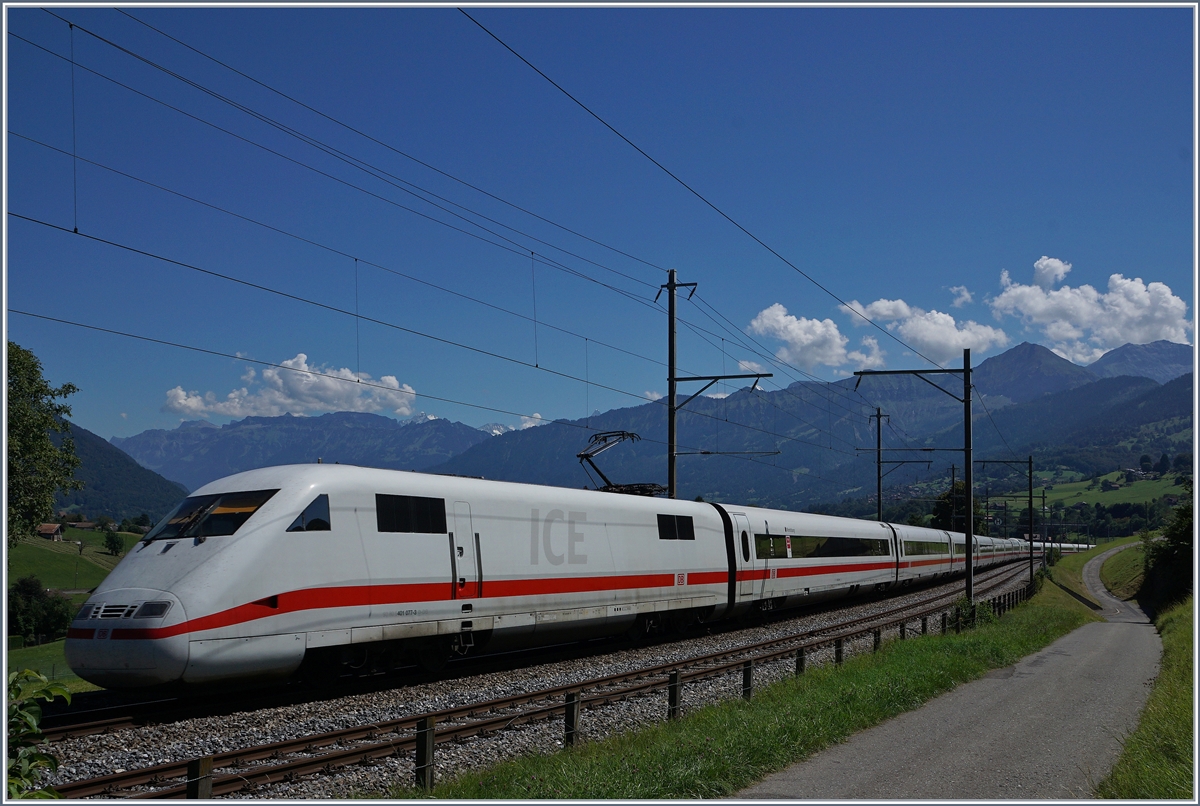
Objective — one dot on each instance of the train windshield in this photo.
(210, 515)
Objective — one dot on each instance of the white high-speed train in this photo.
(255, 573)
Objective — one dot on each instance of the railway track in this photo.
(286, 761)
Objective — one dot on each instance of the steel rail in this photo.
(651, 678)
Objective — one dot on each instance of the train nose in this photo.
(127, 637)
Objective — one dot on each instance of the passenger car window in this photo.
(410, 513)
(314, 518)
(676, 527)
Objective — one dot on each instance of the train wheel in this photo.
(432, 654)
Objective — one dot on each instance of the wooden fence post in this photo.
(425, 753)
(199, 778)
(673, 691)
(571, 719)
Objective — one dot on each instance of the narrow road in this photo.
(1050, 726)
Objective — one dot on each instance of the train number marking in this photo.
(571, 554)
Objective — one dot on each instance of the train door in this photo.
(464, 547)
(897, 554)
(745, 547)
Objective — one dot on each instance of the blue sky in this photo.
(971, 177)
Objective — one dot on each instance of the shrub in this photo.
(25, 761)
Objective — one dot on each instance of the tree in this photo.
(113, 543)
(1164, 464)
(948, 511)
(36, 468)
(1169, 559)
(1146, 463)
(32, 610)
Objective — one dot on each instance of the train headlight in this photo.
(152, 610)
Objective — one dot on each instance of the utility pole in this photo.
(968, 473)
(878, 417)
(966, 401)
(1031, 520)
(673, 379)
(953, 508)
(1029, 471)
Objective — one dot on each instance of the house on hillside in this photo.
(87, 526)
(50, 531)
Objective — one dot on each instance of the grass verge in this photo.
(720, 749)
(1123, 572)
(48, 659)
(1069, 570)
(1156, 762)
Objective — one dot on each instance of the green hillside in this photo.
(1089, 492)
(60, 566)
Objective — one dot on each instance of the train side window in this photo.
(410, 513)
(808, 546)
(676, 527)
(770, 546)
(314, 518)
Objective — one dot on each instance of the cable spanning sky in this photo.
(391, 199)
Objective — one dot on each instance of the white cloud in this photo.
(880, 310)
(1082, 323)
(931, 333)
(751, 366)
(961, 296)
(938, 336)
(812, 342)
(298, 389)
(872, 358)
(807, 342)
(1049, 272)
(532, 422)
(652, 395)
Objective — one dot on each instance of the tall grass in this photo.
(1156, 762)
(1123, 572)
(723, 748)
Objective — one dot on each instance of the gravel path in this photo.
(93, 756)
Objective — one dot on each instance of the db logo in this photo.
(101, 634)
(681, 579)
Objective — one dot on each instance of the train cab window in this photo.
(676, 527)
(410, 513)
(209, 515)
(314, 518)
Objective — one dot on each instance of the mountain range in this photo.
(113, 483)
(197, 452)
(788, 448)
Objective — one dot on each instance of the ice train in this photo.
(254, 574)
